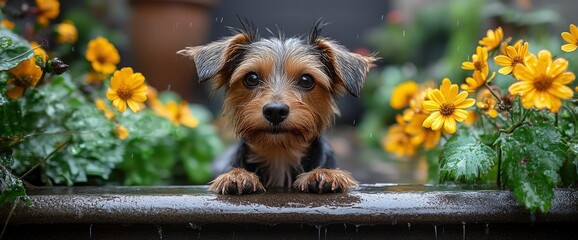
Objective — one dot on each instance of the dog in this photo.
(279, 95)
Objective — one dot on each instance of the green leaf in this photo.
(465, 158)
(11, 188)
(15, 49)
(532, 158)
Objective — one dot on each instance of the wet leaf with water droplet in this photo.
(532, 158)
(465, 158)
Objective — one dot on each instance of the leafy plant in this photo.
(521, 134)
(60, 127)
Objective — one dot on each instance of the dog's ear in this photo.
(347, 69)
(218, 60)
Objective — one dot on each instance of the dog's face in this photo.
(280, 91)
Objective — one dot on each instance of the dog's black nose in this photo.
(276, 112)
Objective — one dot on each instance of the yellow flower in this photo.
(543, 84)
(487, 102)
(7, 24)
(472, 84)
(39, 51)
(127, 88)
(121, 132)
(479, 61)
(505, 45)
(420, 135)
(398, 141)
(94, 77)
(492, 38)
(177, 113)
(104, 109)
(571, 38)
(102, 55)
(47, 9)
(402, 94)
(446, 107)
(514, 56)
(66, 32)
(24, 76)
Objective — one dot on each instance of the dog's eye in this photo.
(251, 80)
(306, 82)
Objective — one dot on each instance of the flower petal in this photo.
(569, 47)
(134, 106)
(560, 91)
(506, 70)
(431, 106)
(460, 115)
(568, 37)
(468, 102)
(503, 60)
(450, 125)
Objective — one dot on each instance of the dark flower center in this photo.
(447, 109)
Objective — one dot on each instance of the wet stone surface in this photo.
(370, 211)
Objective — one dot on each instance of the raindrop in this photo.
(325, 233)
(72, 49)
(381, 16)
(216, 19)
(169, 87)
(356, 228)
(221, 19)
(487, 231)
(403, 34)
(409, 226)
(354, 121)
(371, 135)
(177, 25)
(436, 231)
(90, 232)
(345, 226)
(132, 155)
(191, 25)
(160, 231)
(357, 36)
(458, 23)
(463, 230)
(458, 48)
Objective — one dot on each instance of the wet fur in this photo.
(282, 154)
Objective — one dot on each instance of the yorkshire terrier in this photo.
(280, 95)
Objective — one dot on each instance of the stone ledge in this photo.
(366, 205)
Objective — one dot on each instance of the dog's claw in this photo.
(324, 181)
(237, 181)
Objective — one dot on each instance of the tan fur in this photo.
(337, 180)
(239, 177)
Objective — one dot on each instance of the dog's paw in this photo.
(324, 181)
(237, 181)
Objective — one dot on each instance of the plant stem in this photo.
(47, 157)
(8, 218)
(493, 93)
(499, 153)
(518, 124)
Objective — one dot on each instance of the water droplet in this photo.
(191, 25)
(356, 228)
(487, 231)
(160, 231)
(221, 19)
(381, 16)
(436, 231)
(459, 49)
(357, 36)
(370, 135)
(90, 232)
(177, 25)
(169, 87)
(409, 226)
(354, 121)
(463, 230)
(403, 34)
(458, 23)
(132, 155)
(72, 49)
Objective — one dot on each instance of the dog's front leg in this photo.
(237, 181)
